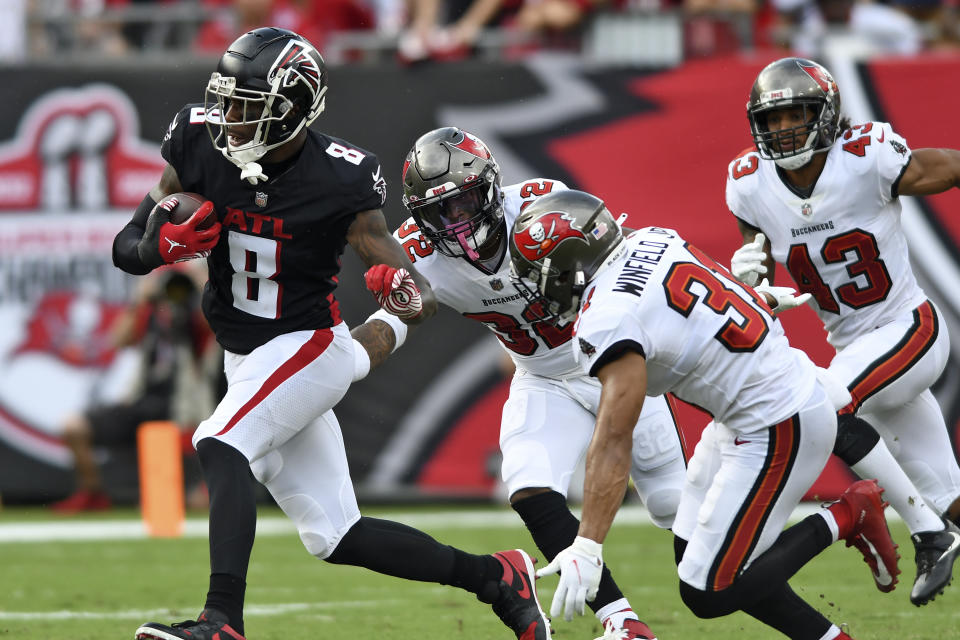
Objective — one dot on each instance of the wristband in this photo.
(361, 361)
(399, 326)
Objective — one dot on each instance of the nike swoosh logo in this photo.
(951, 548)
(881, 575)
(737, 441)
(883, 136)
(577, 567)
(524, 589)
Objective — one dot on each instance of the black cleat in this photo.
(936, 552)
(211, 625)
(514, 599)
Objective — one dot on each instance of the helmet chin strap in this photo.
(252, 172)
(246, 161)
(795, 162)
(791, 163)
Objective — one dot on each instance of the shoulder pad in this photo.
(414, 243)
(186, 126)
(861, 146)
(742, 173)
(406, 229)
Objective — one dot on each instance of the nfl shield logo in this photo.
(260, 199)
(497, 284)
(806, 210)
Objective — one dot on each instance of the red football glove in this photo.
(395, 291)
(164, 242)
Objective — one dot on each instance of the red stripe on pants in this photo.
(758, 504)
(924, 334)
(310, 351)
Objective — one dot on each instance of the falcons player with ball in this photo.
(457, 237)
(288, 201)
(823, 198)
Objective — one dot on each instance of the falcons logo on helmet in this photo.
(538, 240)
(295, 64)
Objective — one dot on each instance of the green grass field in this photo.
(99, 589)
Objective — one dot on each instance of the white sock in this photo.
(827, 515)
(616, 612)
(898, 489)
(831, 633)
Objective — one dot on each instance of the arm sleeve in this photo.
(125, 255)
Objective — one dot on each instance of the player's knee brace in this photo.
(855, 438)
(662, 505)
(548, 518)
(317, 533)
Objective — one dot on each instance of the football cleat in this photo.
(211, 625)
(936, 552)
(515, 598)
(870, 534)
(631, 630)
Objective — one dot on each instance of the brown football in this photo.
(188, 203)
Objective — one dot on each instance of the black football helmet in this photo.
(794, 82)
(452, 188)
(557, 246)
(279, 80)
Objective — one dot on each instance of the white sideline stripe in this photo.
(76, 531)
(163, 614)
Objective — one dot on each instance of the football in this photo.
(188, 203)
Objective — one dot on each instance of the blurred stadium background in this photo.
(639, 101)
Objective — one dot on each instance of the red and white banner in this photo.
(653, 143)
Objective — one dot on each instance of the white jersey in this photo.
(706, 338)
(490, 298)
(844, 244)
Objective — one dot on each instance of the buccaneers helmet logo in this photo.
(473, 144)
(547, 232)
(821, 77)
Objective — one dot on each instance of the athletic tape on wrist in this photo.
(399, 326)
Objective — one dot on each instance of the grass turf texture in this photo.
(94, 590)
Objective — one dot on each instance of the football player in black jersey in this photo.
(288, 200)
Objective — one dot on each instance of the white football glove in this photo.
(784, 297)
(579, 566)
(746, 265)
(395, 291)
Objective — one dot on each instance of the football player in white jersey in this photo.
(822, 198)
(457, 238)
(657, 315)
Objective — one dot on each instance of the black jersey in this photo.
(275, 267)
